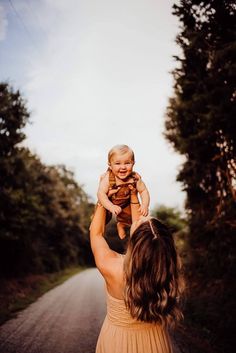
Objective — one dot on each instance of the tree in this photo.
(200, 120)
(171, 217)
(13, 118)
(44, 212)
(200, 124)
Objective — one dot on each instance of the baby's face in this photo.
(122, 165)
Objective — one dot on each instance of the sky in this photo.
(95, 73)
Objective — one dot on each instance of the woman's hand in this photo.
(143, 210)
(134, 204)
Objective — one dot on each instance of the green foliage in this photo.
(171, 217)
(200, 124)
(200, 120)
(44, 212)
(13, 117)
(177, 224)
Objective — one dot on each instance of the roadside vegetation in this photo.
(200, 125)
(17, 293)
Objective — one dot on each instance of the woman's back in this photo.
(115, 278)
(121, 333)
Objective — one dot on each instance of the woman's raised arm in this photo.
(101, 251)
(134, 205)
(97, 226)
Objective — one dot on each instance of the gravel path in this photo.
(67, 319)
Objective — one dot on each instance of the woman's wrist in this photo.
(134, 199)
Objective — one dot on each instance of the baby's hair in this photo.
(120, 149)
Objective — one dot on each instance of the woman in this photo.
(143, 286)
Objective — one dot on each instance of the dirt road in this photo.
(67, 319)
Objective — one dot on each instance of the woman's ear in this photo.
(109, 166)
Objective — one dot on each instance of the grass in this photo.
(17, 293)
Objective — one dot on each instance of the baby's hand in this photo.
(137, 176)
(133, 190)
(143, 210)
(112, 192)
(115, 210)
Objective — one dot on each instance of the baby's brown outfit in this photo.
(121, 198)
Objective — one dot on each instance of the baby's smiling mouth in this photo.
(122, 174)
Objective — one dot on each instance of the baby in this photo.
(115, 187)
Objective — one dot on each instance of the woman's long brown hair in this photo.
(152, 275)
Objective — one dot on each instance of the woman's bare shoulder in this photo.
(112, 265)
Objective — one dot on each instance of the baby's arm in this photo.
(145, 197)
(103, 189)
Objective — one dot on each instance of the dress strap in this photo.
(112, 180)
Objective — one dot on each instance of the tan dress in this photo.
(121, 333)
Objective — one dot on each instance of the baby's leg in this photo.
(123, 220)
(121, 230)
